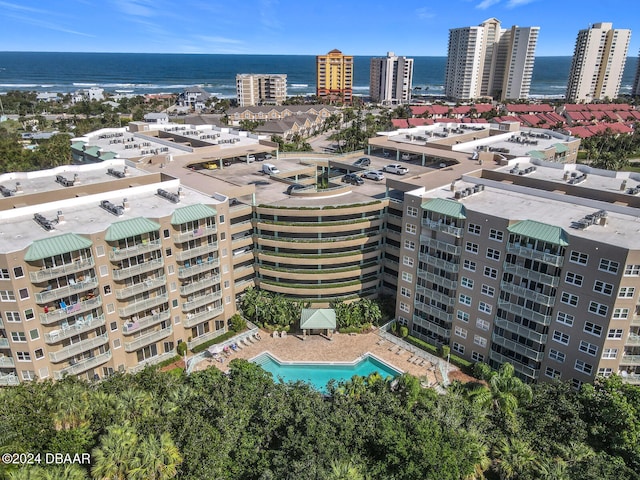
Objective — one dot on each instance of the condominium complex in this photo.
(598, 63)
(391, 79)
(488, 61)
(334, 77)
(263, 89)
(635, 90)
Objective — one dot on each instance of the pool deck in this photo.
(342, 348)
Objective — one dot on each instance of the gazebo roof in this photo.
(318, 318)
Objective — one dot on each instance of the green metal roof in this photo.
(93, 151)
(450, 208)
(317, 318)
(50, 247)
(537, 154)
(540, 231)
(78, 145)
(130, 228)
(108, 155)
(561, 148)
(191, 214)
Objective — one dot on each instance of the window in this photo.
(620, 313)
(480, 341)
(605, 372)
(610, 353)
(464, 299)
(111, 308)
(588, 348)
(578, 257)
(410, 228)
(412, 211)
(598, 308)
(170, 269)
(573, 279)
(18, 272)
(484, 307)
(456, 347)
(560, 337)
(226, 284)
(405, 292)
(462, 316)
(583, 367)
(173, 286)
(168, 252)
(482, 324)
(469, 265)
(490, 272)
(100, 251)
(569, 299)
(225, 252)
(626, 292)
(23, 356)
(18, 337)
(576, 384)
(28, 314)
(496, 235)
(409, 245)
(116, 344)
(477, 357)
(107, 289)
(474, 229)
(488, 290)
(104, 270)
(12, 317)
(552, 373)
(166, 233)
(493, 254)
(24, 293)
(39, 353)
(592, 328)
(176, 321)
(466, 282)
(4, 274)
(7, 296)
(34, 334)
(221, 219)
(603, 287)
(556, 355)
(174, 303)
(615, 333)
(223, 236)
(404, 307)
(471, 247)
(461, 332)
(407, 277)
(565, 318)
(632, 270)
(408, 261)
(28, 375)
(113, 326)
(608, 266)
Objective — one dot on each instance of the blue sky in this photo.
(306, 27)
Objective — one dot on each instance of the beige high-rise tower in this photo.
(391, 79)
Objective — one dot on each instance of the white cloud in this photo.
(423, 13)
(518, 3)
(138, 8)
(484, 4)
(223, 40)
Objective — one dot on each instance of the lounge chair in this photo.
(392, 348)
(257, 336)
(275, 334)
(410, 359)
(283, 334)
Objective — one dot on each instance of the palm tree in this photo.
(157, 459)
(71, 406)
(552, 469)
(478, 450)
(115, 456)
(344, 470)
(513, 458)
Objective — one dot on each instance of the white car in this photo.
(396, 168)
(373, 175)
(406, 156)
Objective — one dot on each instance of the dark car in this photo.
(294, 187)
(353, 179)
(362, 162)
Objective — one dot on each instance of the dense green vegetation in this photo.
(610, 151)
(244, 426)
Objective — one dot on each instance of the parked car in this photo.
(373, 175)
(294, 187)
(362, 162)
(406, 156)
(353, 179)
(270, 169)
(395, 168)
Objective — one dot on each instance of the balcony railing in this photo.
(4, 343)
(442, 227)
(437, 279)
(527, 293)
(127, 252)
(531, 274)
(147, 266)
(147, 339)
(525, 312)
(435, 311)
(144, 286)
(201, 301)
(432, 327)
(77, 348)
(145, 322)
(440, 245)
(194, 319)
(82, 326)
(633, 340)
(197, 233)
(521, 330)
(9, 380)
(437, 296)
(70, 310)
(189, 288)
(439, 263)
(518, 348)
(143, 305)
(55, 272)
(635, 320)
(7, 362)
(152, 361)
(523, 369)
(630, 360)
(197, 251)
(205, 338)
(533, 254)
(196, 268)
(66, 291)
(83, 366)
(632, 378)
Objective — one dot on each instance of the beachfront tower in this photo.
(253, 89)
(635, 91)
(598, 63)
(334, 77)
(391, 78)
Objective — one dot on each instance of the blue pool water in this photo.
(319, 374)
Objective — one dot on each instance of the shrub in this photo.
(219, 339)
(181, 349)
(394, 327)
(445, 351)
(404, 331)
(237, 323)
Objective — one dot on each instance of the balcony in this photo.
(520, 368)
(437, 296)
(55, 272)
(442, 227)
(147, 339)
(631, 378)
(9, 380)
(521, 330)
(528, 294)
(194, 319)
(55, 336)
(517, 348)
(201, 301)
(439, 245)
(147, 266)
(533, 254)
(189, 288)
(633, 340)
(635, 320)
(82, 366)
(525, 312)
(141, 305)
(432, 327)
(145, 286)
(531, 274)
(152, 361)
(439, 263)
(75, 309)
(197, 233)
(77, 348)
(437, 279)
(121, 253)
(197, 251)
(199, 267)
(435, 311)
(7, 362)
(630, 360)
(4, 343)
(205, 338)
(66, 291)
(150, 320)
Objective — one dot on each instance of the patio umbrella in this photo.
(214, 349)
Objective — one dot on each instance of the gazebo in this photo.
(315, 320)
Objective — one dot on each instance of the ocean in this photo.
(170, 73)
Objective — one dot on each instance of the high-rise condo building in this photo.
(334, 77)
(635, 91)
(391, 79)
(263, 89)
(598, 63)
(488, 61)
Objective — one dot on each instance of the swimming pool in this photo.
(319, 374)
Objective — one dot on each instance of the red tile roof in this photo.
(524, 108)
(400, 122)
